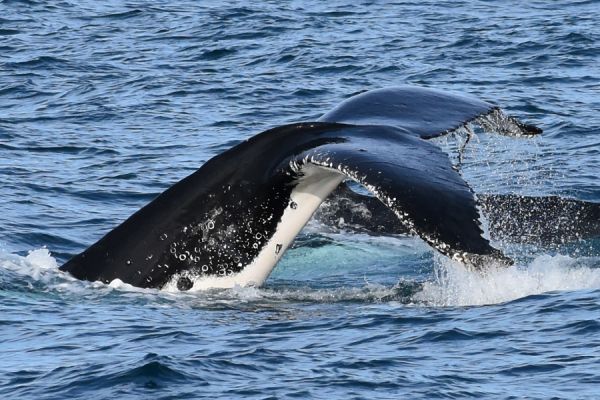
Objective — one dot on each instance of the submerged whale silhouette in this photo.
(230, 222)
(545, 220)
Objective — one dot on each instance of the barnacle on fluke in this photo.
(231, 221)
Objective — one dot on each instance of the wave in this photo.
(453, 285)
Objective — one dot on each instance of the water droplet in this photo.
(182, 257)
(163, 236)
(205, 268)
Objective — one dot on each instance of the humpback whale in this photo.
(231, 221)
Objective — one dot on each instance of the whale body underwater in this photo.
(230, 222)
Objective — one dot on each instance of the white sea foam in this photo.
(38, 264)
(453, 285)
(42, 259)
(450, 285)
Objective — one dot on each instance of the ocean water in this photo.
(103, 105)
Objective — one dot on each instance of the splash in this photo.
(453, 285)
(498, 122)
(42, 259)
(38, 264)
(40, 267)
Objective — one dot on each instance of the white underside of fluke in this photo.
(312, 189)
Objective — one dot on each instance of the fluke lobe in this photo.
(230, 222)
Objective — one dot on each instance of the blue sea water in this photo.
(103, 105)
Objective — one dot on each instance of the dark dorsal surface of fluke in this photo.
(230, 222)
(427, 113)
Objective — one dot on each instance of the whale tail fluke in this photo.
(230, 221)
(416, 181)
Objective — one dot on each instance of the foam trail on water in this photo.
(453, 285)
(367, 293)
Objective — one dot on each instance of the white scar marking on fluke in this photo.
(312, 189)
